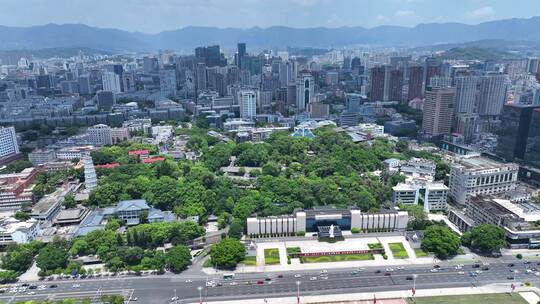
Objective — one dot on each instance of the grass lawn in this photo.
(375, 246)
(249, 261)
(271, 256)
(398, 250)
(338, 258)
(208, 263)
(496, 298)
(420, 253)
(291, 250)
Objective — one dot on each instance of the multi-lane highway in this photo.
(160, 289)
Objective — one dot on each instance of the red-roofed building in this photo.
(142, 154)
(108, 166)
(153, 160)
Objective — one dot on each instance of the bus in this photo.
(228, 276)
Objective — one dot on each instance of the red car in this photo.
(387, 274)
(260, 282)
(280, 276)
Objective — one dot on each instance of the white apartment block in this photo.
(371, 128)
(480, 176)
(248, 104)
(8, 142)
(111, 82)
(436, 197)
(71, 153)
(14, 231)
(406, 194)
(119, 134)
(100, 135)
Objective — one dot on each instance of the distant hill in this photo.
(77, 35)
(476, 53)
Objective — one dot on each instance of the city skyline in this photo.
(166, 15)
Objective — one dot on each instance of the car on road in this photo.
(76, 285)
(354, 272)
(32, 287)
(461, 272)
(53, 286)
(189, 281)
(297, 275)
(378, 271)
(510, 277)
(280, 276)
(324, 271)
(409, 278)
(313, 278)
(434, 270)
(387, 274)
(260, 282)
(233, 283)
(527, 262)
(174, 299)
(31, 293)
(389, 269)
(268, 279)
(41, 287)
(436, 266)
(485, 268)
(324, 278)
(511, 265)
(476, 265)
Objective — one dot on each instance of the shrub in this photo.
(300, 233)
(385, 257)
(355, 230)
(519, 256)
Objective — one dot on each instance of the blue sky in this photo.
(157, 15)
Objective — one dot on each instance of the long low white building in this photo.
(310, 220)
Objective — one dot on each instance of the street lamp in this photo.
(414, 276)
(200, 294)
(298, 292)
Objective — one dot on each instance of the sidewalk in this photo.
(529, 294)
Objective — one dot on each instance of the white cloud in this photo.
(405, 13)
(482, 14)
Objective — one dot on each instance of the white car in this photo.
(461, 272)
(233, 283)
(189, 281)
(297, 275)
(41, 287)
(76, 285)
(434, 270)
(389, 269)
(175, 298)
(313, 279)
(324, 271)
(31, 293)
(324, 278)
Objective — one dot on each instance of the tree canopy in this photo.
(441, 241)
(227, 253)
(485, 238)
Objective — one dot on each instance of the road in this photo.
(160, 289)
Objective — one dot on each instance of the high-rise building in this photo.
(532, 152)
(167, 81)
(377, 83)
(395, 85)
(248, 103)
(90, 177)
(416, 81)
(433, 69)
(8, 142)
(128, 82)
(516, 135)
(200, 77)
(472, 176)
(211, 56)
(105, 100)
(492, 94)
(305, 90)
(353, 102)
(466, 88)
(150, 65)
(85, 87)
(438, 111)
(111, 82)
(240, 55)
(100, 135)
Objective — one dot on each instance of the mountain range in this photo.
(79, 36)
